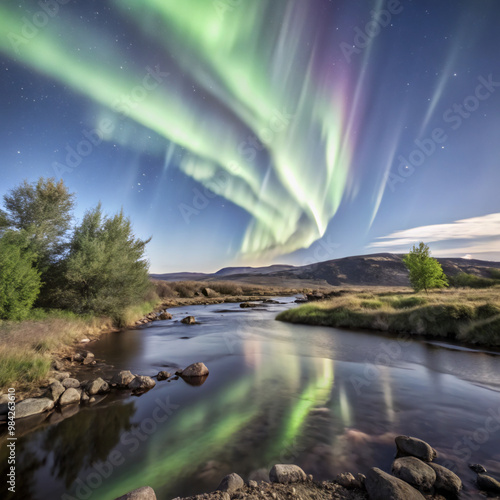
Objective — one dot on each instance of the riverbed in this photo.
(327, 399)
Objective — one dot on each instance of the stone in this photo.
(55, 390)
(142, 383)
(144, 493)
(189, 320)
(97, 386)
(85, 397)
(57, 365)
(85, 341)
(487, 483)
(33, 406)
(70, 396)
(61, 376)
(347, 480)
(446, 480)
(89, 358)
(286, 473)
(383, 486)
(78, 357)
(165, 315)
(414, 472)
(70, 382)
(208, 292)
(122, 379)
(245, 305)
(478, 468)
(163, 375)
(253, 484)
(195, 370)
(231, 483)
(416, 448)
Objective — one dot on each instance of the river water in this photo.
(329, 400)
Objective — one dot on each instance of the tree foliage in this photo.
(105, 270)
(19, 281)
(425, 272)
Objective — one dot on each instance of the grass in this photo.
(467, 316)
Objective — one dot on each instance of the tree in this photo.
(425, 272)
(43, 210)
(19, 281)
(105, 270)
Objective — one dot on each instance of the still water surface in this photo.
(326, 399)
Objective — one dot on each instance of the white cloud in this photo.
(477, 235)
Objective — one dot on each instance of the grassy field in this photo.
(467, 315)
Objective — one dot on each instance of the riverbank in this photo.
(464, 315)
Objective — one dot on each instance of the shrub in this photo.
(408, 302)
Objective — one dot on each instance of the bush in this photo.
(408, 302)
(464, 280)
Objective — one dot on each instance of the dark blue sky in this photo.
(251, 132)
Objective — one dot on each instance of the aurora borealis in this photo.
(238, 131)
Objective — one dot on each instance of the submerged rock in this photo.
(162, 375)
(231, 483)
(416, 448)
(33, 406)
(286, 473)
(414, 472)
(189, 320)
(477, 468)
(383, 486)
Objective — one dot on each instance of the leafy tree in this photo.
(19, 281)
(105, 270)
(43, 210)
(425, 272)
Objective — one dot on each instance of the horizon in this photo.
(262, 132)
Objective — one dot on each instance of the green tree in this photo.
(105, 270)
(425, 272)
(19, 281)
(43, 210)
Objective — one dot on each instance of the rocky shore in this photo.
(414, 476)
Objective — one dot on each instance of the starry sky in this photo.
(251, 132)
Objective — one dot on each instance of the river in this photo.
(329, 400)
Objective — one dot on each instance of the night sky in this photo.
(250, 132)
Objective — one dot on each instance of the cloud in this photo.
(477, 235)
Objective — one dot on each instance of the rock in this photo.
(70, 396)
(84, 341)
(416, 448)
(208, 292)
(55, 390)
(487, 483)
(70, 382)
(89, 358)
(248, 304)
(97, 386)
(383, 486)
(189, 320)
(144, 493)
(4, 399)
(270, 301)
(57, 365)
(33, 406)
(231, 483)
(195, 370)
(122, 379)
(61, 376)
(477, 468)
(165, 315)
(163, 375)
(78, 357)
(253, 484)
(285, 473)
(446, 480)
(141, 383)
(414, 472)
(348, 481)
(85, 397)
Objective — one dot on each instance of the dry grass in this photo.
(470, 316)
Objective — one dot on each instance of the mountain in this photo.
(383, 269)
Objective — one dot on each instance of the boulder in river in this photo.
(195, 370)
(414, 472)
(446, 480)
(208, 292)
(88, 358)
(165, 315)
(70, 396)
(488, 483)
(245, 305)
(478, 468)
(55, 390)
(189, 320)
(416, 448)
(144, 493)
(141, 383)
(97, 386)
(163, 375)
(231, 483)
(70, 382)
(32, 406)
(122, 379)
(287, 473)
(383, 486)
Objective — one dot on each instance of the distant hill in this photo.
(383, 269)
